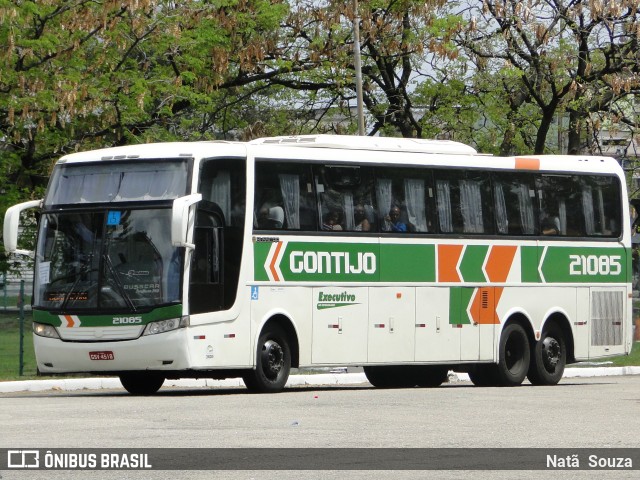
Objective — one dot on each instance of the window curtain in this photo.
(384, 199)
(134, 186)
(290, 189)
(471, 206)
(221, 193)
(414, 196)
(526, 209)
(601, 214)
(443, 200)
(587, 208)
(347, 200)
(502, 219)
(562, 214)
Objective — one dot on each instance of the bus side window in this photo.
(464, 202)
(345, 198)
(514, 210)
(284, 197)
(560, 206)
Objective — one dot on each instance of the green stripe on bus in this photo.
(372, 262)
(459, 300)
(88, 320)
(529, 265)
(472, 261)
(407, 263)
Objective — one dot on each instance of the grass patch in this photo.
(633, 359)
(10, 347)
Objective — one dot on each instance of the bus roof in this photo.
(328, 148)
(156, 151)
(417, 145)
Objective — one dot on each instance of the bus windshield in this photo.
(117, 182)
(110, 259)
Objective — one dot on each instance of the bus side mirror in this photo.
(181, 221)
(12, 223)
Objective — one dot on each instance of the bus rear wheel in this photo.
(484, 375)
(514, 356)
(273, 362)
(141, 383)
(549, 358)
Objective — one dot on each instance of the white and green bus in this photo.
(407, 257)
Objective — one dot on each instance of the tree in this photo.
(568, 55)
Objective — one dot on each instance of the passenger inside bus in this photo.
(393, 220)
(270, 217)
(360, 219)
(331, 221)
(550, 225)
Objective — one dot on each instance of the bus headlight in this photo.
(44, 330)
(165, 325)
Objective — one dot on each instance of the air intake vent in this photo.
(607, 313)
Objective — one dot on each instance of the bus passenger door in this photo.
(206, 288)
(436, 338)
(392, 319)
(340, 319)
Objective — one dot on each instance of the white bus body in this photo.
(407, 257)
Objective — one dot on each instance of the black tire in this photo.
(549, 357)
(432, 376)
(384, 377)
(514, 356)
(141, 383)
(484, 375)
(406, 376)
(273, 362)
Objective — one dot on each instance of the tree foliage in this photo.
(559, 56)
(80, 74)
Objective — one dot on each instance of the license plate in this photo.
(101, 355)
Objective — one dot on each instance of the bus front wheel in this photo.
(549, 358)
(273, 362)
(514, 356)
(141, 383)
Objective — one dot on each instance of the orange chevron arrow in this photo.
(272, 265)
(499, 262)
(448, 258)
(483, 305)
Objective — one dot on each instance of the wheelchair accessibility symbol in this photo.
(254, 293)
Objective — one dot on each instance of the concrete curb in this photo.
(319, 380)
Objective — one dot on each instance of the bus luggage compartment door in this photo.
(340, 319)
(392, 317)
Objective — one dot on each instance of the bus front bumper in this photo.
(165, 351)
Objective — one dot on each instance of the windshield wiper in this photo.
(118, 282)
(83, 271)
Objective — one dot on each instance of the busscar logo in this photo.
(334, 300)
(23, 459)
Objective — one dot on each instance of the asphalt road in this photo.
(601, 412)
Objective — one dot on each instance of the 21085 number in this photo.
(595, 265)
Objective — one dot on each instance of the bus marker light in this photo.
(229, 335)
(399, 295)
(378, 325)
(421, 325)
(199, 337)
